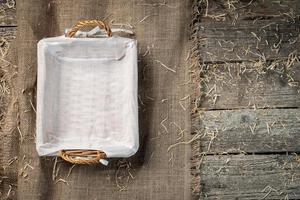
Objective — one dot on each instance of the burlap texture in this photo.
(162, 30)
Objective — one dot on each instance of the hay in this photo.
(163, 65)
(159, 4)
(123, 174)
(54, 169)
(70, 170)
(196, 137)
(8, 160)
(32, 106)
(163, 125)
(9, 191)
(146, 17)
(10, 4)
(4, 80)
(180, 130)
(184, 100)
(62, 181)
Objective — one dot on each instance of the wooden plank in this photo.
(223, 10)
(248, 130)
(244, 53)
(8, 13)
(248, 40)
(249, 177)
(248, 85)
(8, 33)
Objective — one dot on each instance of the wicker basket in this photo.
(87, 106)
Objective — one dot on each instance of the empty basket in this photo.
(87, 106)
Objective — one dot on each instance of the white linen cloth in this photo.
(87, 95)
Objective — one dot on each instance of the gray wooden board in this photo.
(8, 137)
(224, 10)
(248, 130)
(250, 177)
(248, 40)
(8, 13)
(247, 30)
(8, 33)
(244, 85)
(234, 36)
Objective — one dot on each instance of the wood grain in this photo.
(8, 33)
(248, 130)
(250, 177)
(8, 114)
(248, 40)
(246, 100)
(235, 11)
(247, 85)
(8, 15)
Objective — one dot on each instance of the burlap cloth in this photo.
(162, 32)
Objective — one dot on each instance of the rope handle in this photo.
(89, 22)
(82, 156)
(85, 156)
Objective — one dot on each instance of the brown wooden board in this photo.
(8, 13)
(249, 177)
(248, 130)
(248, 85)
(248, 40)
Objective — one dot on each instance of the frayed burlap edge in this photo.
(196, 74)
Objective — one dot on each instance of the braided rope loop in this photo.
(85, 156)
(82, 156)
(89, 22)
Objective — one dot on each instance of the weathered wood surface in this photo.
(247, 30)
(245, 50)
(8, 136)
(8, 13)
(233, 11)
(250, 177)
(247, 85)
(248, 130)
(248, 40)
(7, 35)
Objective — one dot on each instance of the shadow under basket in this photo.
(87, 108)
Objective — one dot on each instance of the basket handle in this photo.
(82, 156)
(89, 22)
